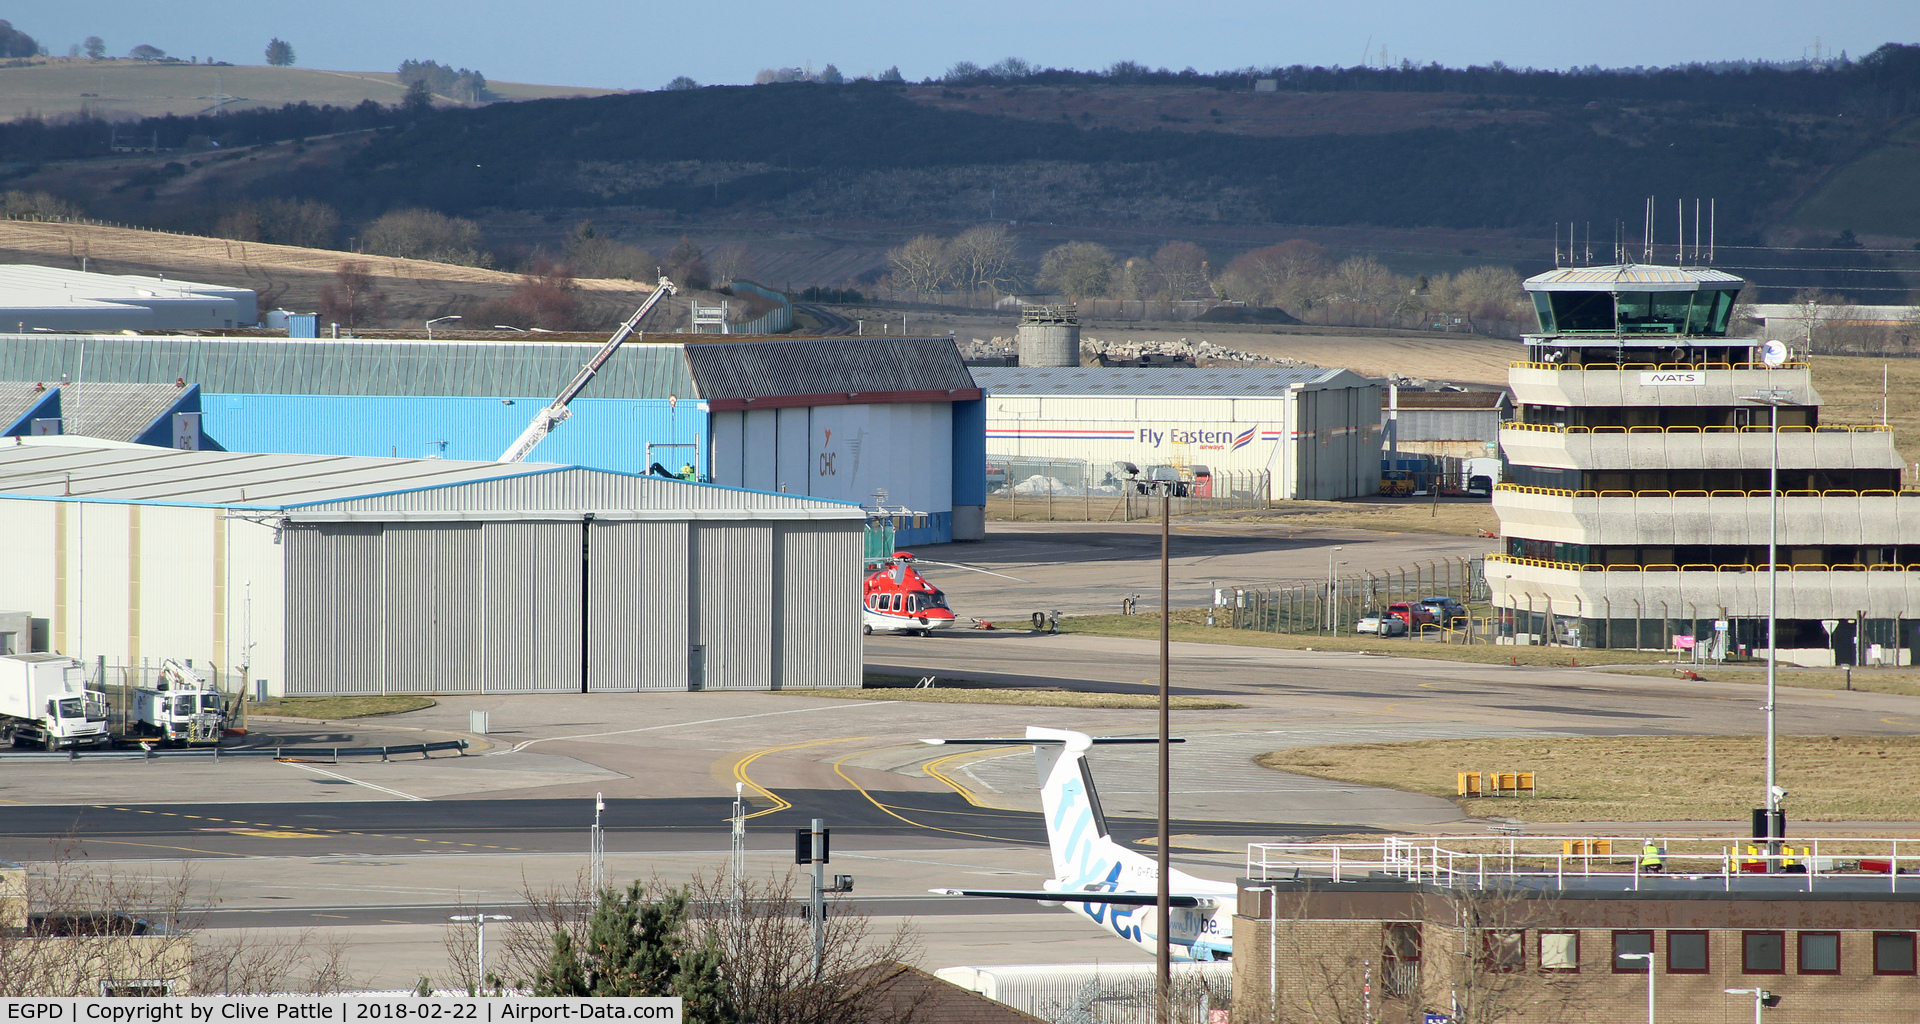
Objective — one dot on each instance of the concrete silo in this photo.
(1049, 336)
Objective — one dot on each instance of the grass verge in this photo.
(1640, 778)
(1869, 680)
(340, 707)
(1189, 625)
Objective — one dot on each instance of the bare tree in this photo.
(1077, 270)
(1182, 270)
(352, 298)
(1277, 275)
(983, 258)
(730, 263)
(426, 235)
(922, 264)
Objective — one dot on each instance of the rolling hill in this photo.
(124, 89)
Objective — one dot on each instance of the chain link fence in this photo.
(1333, 605)
(1023, 488)
(117, 682)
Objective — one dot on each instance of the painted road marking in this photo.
(740, 770)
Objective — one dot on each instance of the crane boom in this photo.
(556, 411)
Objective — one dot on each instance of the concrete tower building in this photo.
(1638, 505)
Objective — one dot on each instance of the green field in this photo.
(121, 88)
(1872, 196)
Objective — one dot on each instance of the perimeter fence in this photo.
(1027, 488)
(1332, 606)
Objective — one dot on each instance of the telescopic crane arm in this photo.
(556, 412)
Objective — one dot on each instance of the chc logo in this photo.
(1225, 440)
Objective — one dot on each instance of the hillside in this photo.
(124, 89)
(291, 277)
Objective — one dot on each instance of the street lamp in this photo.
(1332, 616)
(480, 927)
(1773, 398)
(1648, 957)
(1761, 997)
(437, 320)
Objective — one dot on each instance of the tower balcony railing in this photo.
(1738, 567)
(1761, 428)
(1521, 364)
(1561, 492)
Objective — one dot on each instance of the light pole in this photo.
(1332, 616)
(480, 948)
(1648, 957)
(437, 320)
(1163, 892)
(1773, 399)
(1761, 997)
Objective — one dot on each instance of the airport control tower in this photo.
(1636, 512)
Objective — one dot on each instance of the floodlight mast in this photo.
(556, 412)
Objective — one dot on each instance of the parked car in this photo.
(1443, 609)
(1416, 616)
(1381, 624)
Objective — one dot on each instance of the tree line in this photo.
(1297, 275)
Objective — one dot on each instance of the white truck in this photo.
(44, 700)
(181, 708)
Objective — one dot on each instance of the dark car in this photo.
(1443, 609)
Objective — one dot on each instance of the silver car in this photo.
(1383, 625)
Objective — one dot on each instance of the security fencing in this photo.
(118, 681)
(1077, 489)
(1333, 605)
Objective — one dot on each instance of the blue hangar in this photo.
(891, 422)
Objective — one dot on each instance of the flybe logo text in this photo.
(1184, 435)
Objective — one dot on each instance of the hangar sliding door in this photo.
(636, 606)
(435, 600)
(335, 609)
(533, 607)
(733, 606)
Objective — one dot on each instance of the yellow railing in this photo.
(1544, 563)
(1762, 428)
(1522, 364)
(1561, 492)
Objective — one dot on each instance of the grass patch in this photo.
(1906, 683)
(1024, 698)
(1454, 519)
(1189, 625)
(1640, 778)
(340, 707)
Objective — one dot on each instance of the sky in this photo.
(638, 45)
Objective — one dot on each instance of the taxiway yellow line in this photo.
(740, 771)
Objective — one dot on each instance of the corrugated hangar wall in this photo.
(513, 607)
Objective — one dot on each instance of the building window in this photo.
(1687, 952)
(1631, 942)
(1504, 951)
(1763, 952)
(1400, 960)
(1819, 952)
(1893, 952)
(1559, 951)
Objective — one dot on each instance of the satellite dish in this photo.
(1774, 353)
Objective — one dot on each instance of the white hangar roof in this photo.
(321, 487)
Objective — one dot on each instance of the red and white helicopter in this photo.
(897, 599)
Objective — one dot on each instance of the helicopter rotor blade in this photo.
(970, 568)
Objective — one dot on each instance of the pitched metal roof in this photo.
(17, 399)
(817, 366)
(116, 412)
(82, 469)
(288, 366)
(1221, 382)
(1634, 277)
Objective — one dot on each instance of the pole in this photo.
(1163, 898)
(597, 853)
(1773, 639)
(819, 906)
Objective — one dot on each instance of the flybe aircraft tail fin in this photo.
(1076, 824)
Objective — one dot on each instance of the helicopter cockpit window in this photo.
(936, 600)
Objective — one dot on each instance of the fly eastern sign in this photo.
(1672, 378)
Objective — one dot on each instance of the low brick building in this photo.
(1529, 946)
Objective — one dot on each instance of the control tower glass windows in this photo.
(1679, 313)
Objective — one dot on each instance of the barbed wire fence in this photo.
(1331, 606)
(1078, 489)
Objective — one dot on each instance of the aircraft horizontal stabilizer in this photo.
(1038, 740)
(1129, 899)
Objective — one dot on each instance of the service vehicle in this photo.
(44, 701)
(182, 707)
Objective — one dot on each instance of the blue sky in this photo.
(630, 45)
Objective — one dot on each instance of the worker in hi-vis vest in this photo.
(1652, 857)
